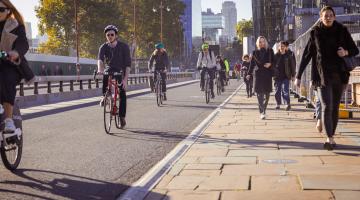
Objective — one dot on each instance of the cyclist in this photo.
(161, 64)
(221, 67)
(206, 61)
(114, 56)
(227, 69)
(14, 67)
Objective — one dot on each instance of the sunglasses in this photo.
(3, 9)
(110, 34)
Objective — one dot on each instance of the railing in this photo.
(53, 82)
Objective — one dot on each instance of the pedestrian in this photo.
(221, 68)
(261, 69)
(14, 66)
(328, 44)
(245, 71)
(284, 72)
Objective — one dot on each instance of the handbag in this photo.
(350, 63)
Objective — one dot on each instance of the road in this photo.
(67, 155)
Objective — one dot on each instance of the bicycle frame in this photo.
(113, 83)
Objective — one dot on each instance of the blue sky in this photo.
(26, 7)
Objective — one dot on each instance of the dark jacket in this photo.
(262, 75)
(289, 65)
(317, 50)
(13, 37)
(245, 70)
(161, 61)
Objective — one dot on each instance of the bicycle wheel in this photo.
(108, 108)
(11, 152)
(207, 90)
(218, 87)
(158, 93)
(116, 113)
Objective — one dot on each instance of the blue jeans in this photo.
(317, 106)
(282, 89)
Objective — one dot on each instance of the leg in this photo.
(260, 97)
(105, 84)
(163, 76)
(285, 91)
(123, 99)
(267, 97)
(337, 93)
(212, 76)
(202, 79)
(278, 84)
(326, 98)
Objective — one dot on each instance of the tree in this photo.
(244, 28)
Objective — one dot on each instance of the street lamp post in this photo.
(134, 39)
(161, 7)
(77, 37)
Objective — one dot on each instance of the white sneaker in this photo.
(102, 102)
(9, 125)
(262, 116)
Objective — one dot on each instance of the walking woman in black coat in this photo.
(13, 41)
(261, 67)
(245, 71)
(328, 44)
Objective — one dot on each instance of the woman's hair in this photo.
(258, 42)
(245, 56)
(14, 13)
(326, 8)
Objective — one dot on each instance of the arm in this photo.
(305, 59)
(293, 64)
(166, 61)
(127, 63)
(101, 58)
(151, 62)
(351, 47)
(198, 65)
(20, 46)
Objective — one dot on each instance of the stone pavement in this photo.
(240, 156)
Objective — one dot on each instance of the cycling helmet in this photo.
(111, 28)
(159, 45)
(205, 46)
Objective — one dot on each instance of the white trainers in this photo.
(262, 116)
(102, 102)
(9, 125)
(319, 125)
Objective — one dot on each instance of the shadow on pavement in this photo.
(42, 184)
(151, 135)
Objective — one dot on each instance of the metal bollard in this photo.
(81, 85)
(36, 88)
(49, 87)
(97, 83)
(71, 85)
(61, 89)
(89, 84)
(21, 89)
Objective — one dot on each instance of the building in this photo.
(187, 25)
(211, 24)
(196, 18)
(230, 15)
(28, 30)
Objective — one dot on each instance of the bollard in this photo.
(81, 85)
(21, 89)
(36, 90)
(97, 83)
(71, 85)
(61, 86)
(49, 87)
(89, 84)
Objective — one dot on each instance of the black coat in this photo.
(315, 48)
(262, 75)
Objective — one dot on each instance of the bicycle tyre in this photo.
(158, 93)
(218, 87)
(12, 164)
(117, 113)
(108, 106)
(207, 90)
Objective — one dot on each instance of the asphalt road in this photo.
(67, 155)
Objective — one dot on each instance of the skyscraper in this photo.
(28, 30)
(187, 25)
(230, 14)
(196, 18)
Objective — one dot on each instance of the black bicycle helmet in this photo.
(111, 28)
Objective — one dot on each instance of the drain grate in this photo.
(279, 161)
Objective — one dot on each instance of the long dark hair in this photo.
(14, 13)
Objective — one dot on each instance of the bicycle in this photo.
(218, 83)
(11, 143)
(207, 85)
(111, 100)
(158, 88)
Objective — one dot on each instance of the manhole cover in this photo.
(279, 161)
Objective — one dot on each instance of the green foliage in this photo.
(244, 28)
(57, 20)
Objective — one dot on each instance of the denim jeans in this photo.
(317, 106)
(282, 90)
(263, 99)
(330, 96)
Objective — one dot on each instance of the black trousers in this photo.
(122, 94)
(163, 77)
(211, 75)
(249, 86)
(9, 78)
(330, 96)
(263, 99)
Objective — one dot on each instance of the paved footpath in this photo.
(240, 156)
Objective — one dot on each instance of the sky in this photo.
(27, 7)
(244, 9)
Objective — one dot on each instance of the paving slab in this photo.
(253, 170)
(191, 195)
(245, 152)
(228, 160)
(346, 195)
(185, 182)
(275, 183)
(330, 169)
(330, 182)
(200, 172)
(349, 160)
(225, 183)
(302, 195)
(206, 152)
(164, 181)
(156, 194)
(203, 166)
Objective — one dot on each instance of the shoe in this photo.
(262, 116)
(122, 122)
(165, 97)
(9, 126)
(202, 89)
(328, 146)
(223, 90)
(277, 107)
(332, 142)
(319, 125)
(288, 107)
(212, 95)
(102, 102)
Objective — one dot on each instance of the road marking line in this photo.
(147, 182)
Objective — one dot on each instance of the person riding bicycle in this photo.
(114, 56)
(14, 67)
(206, 61)
(221, 68)
(160, 57)
(227, 70)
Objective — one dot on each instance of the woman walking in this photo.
(261, 68)
(245, 71)
(328, 44)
